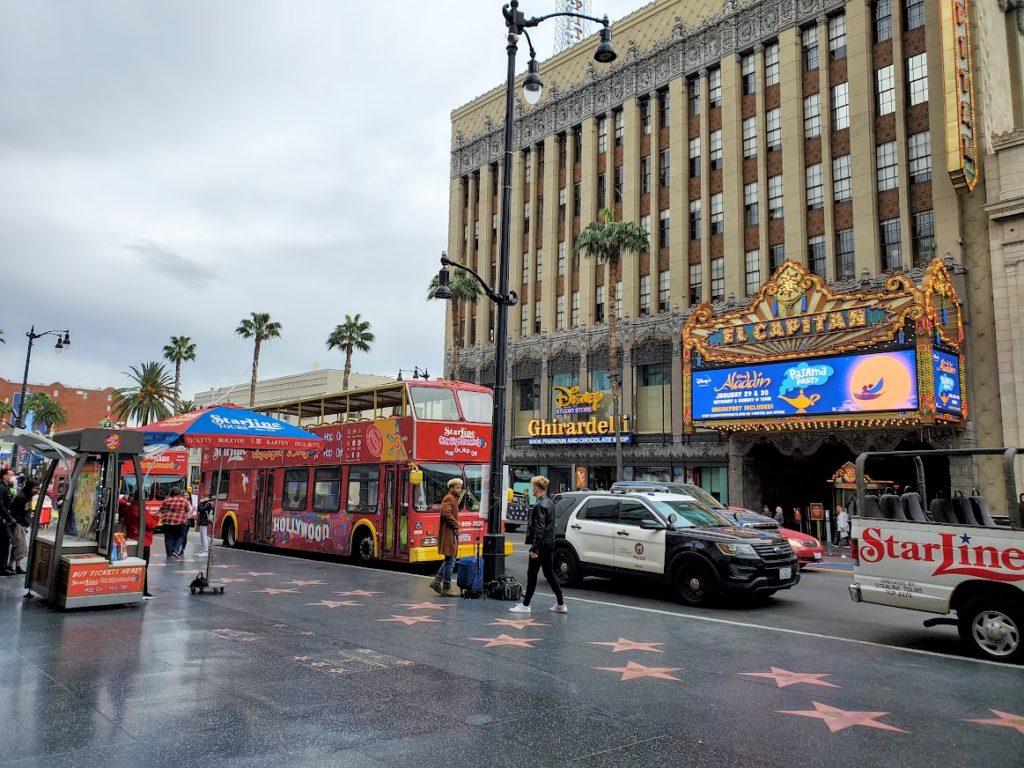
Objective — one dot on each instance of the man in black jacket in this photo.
(540, 535)
(6, 520)
(21, 511)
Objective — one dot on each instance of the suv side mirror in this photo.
(651, 525)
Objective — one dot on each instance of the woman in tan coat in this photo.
(448, 538)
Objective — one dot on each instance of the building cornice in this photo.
(739, 26)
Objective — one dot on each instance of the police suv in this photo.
(671, 538)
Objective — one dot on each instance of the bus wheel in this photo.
(228, 535)
(993, 627)
(362, 547)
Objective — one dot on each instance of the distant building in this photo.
(293, 387)
(85, 406)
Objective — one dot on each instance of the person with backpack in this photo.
(540, 535)
(448, 538)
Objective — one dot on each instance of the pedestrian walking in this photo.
(204, 519)
(540, 535)
(7, 522)
(21, 511)
(193, 513)
(174, 519)
(843, 525)
(780, 518)
(448, 538)
(129, 511)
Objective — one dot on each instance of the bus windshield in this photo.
(688, 514)
(476, 406)
(156, 487)
(435, 485)
(434, 404)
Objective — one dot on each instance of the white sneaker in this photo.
(556, 608)
(519, 608)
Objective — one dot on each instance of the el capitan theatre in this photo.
(802, 379)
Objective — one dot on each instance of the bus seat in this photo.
(980, 508)
(942, 510)
(889, 503)
(871, 506)
(912, 509)
(962, 510)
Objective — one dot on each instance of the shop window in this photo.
(327, 489)
(566, 380)
(296, 489)
(362, 488)
(600, 381)
(653, 396)
(527, 404)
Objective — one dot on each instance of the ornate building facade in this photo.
(844, 137)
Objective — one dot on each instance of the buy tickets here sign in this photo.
(102, 579)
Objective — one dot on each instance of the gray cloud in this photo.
(175, 266)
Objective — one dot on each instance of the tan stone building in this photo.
(739, 135)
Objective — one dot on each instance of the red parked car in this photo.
(808, 549)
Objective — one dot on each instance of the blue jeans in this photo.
(445, 571)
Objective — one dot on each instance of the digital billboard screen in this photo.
(946, 368)
(869, 383)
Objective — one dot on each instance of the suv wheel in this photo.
(567, 567)
(993, 627)
(695, 583)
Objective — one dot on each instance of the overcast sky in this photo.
(168, 167)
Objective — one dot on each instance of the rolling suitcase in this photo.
(470, 575)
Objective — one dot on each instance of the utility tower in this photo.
(571, 29)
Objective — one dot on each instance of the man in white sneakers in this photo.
(540, 535)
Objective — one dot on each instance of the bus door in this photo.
(391, 515)
(264, 522)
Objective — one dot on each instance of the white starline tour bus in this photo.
(939, 550)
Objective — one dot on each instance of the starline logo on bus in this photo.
(964, 559)
(460, 437)
(302, 529)
(247, 423)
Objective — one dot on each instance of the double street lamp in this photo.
(517, 23)
(63, 340)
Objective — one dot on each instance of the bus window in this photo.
(222, 488)
(474, 485)
(296, 487)
(327, 489)
(362, 488)
(155, 487)
(476, 406)
(434, 404)
(435, 484)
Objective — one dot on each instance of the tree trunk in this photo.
(456, 336)
(613, 360)
(177, 387)
(348, 367)
(255, 372)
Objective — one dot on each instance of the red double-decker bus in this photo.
(373, 490)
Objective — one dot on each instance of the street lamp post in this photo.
(517, 24)
(63, 340)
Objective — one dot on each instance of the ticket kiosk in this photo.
(82, 559)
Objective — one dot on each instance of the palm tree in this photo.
(186, 406)
(46, 412)
(259, 327)
(607, 241)
(150, 396)
(5, 411)
(354, 334)
(181, 350)
(465, 288)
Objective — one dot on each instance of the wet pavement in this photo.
(306, 663)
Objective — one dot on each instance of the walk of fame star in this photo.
(276, 591)
(334, 603)
(229, 580)
(1003, 719)
(784, 678)
(838, 719)
(622, 644)
(634, 671)
(410, 620)
(259, 573)
(517, 623)
(357, 593)
(428, 606)
(303, 582)
(519, 642)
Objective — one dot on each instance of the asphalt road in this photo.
(819, 604)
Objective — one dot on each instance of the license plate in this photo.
(817, 555)
(785, 573)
